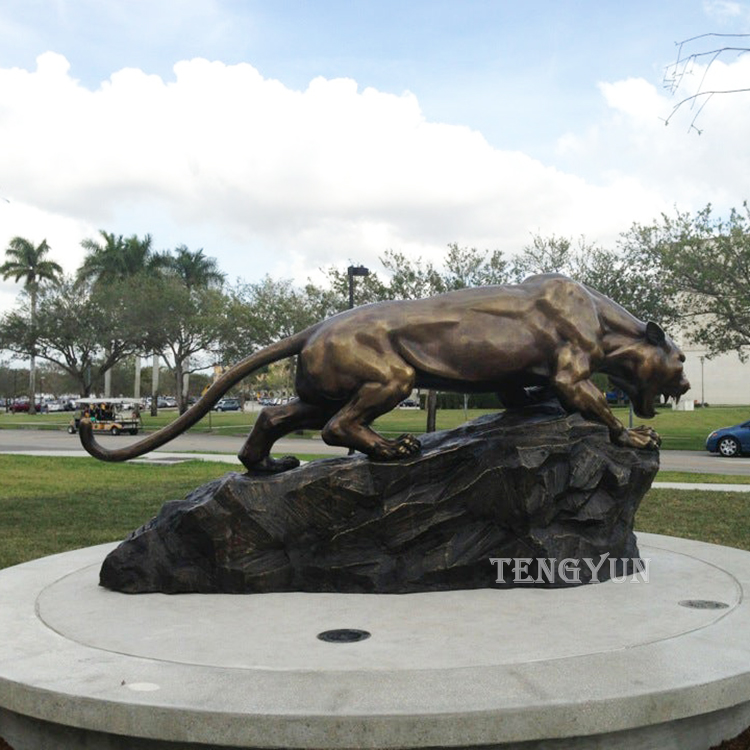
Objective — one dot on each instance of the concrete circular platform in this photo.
(616, 664)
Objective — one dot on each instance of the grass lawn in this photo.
(716, 517)
(50, 505)
(688, 430)
(679, 430)
(691, 477)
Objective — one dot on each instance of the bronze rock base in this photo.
(531, 483)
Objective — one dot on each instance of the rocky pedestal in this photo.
(532, 483)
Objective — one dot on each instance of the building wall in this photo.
(721, 380)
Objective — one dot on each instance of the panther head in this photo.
(646, 367)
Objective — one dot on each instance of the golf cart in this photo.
(107, 415)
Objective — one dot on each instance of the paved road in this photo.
(34, 440)
(51, 440)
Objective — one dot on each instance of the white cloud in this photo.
(675, 164)
(270, 179)
(63, 235)
(724, 9)
(634, 97)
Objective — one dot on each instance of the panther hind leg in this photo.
(273, 423)
(350, 426)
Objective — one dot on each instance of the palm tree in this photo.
(24, 261)
(194, 269)
(115, 258)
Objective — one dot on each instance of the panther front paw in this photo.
(407, 445)
(642, 437)
(402, 447)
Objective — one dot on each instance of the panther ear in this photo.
(655, 334)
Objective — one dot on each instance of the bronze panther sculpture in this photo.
(547, 331)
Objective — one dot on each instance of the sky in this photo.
(288, 136)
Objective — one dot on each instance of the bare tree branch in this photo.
(683, 66)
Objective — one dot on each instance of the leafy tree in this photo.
(79, 328)
(269, 310)
(707, 261)
(194, 271)
(11, 382)
(468, 267)
(634, 276)
(410, 278)
(115, 258)
(274, 309)
(367, 289)
(24, 261)
(184, 323)
(549, 255)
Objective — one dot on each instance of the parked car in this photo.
(228, 404)
(730, 441)
(409, 403)
(23, 406)
(617, 396)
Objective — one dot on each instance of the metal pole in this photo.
(351, 272)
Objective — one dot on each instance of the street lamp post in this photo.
(703, 396)
(351, 272)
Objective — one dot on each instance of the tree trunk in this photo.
(86, 381)
(137, 383)
(108, 382)
(178, 379)
(431, 410)
(185, 388)
(32, 385)
(83, 385)
(32, 363)
(155, 386)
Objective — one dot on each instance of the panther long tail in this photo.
(285, 348)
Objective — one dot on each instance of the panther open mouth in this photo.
(643, 398)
